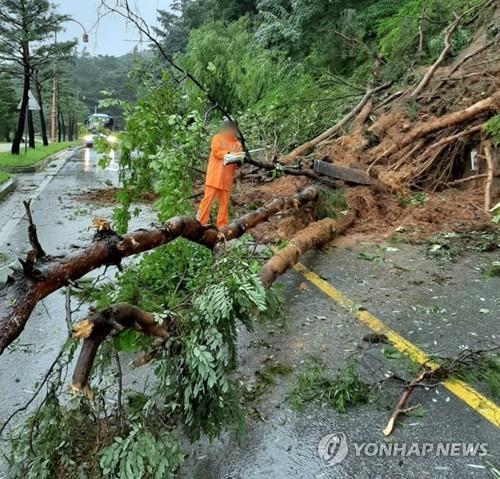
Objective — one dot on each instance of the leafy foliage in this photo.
(228, 291)
(286, 69)
(8, 105)
(330, 202)
(486, 371)
(492, 129)
(204, 299)
(141, 454)
(313, 385)
(496, 214)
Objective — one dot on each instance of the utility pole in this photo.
(53, 111)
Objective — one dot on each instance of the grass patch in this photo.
(485, 371)
(342, 392)
(32, 157)
(330, 202)
(3, 177)
(491, 270)
(266, 376)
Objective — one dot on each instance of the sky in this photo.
(112, 35)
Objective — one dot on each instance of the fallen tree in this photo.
(313, 236)
(43, 274)
(307, 147)
(118, 317)
(492, 103)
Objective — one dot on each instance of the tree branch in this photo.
(306, 147)
(21, 292)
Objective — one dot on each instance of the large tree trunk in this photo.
(42, 275)
(59, 128)
(313, 236)
(43, 122)
(31, 130)
(21, 121)
(71, 128)
(63, 125)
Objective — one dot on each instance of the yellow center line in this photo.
(474, 399)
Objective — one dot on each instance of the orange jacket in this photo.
(220, 176)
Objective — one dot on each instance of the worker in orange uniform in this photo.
(220, 173)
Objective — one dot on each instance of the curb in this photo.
(7, 187)
(38, 166)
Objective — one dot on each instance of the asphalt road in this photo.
(63, 222)
(440, 307)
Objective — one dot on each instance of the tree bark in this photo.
(43, 122)
(21, 122)
(313, 236)
(42, 276)
(31, 130)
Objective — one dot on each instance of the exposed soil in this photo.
(417, 198)
(107, 196)
(384, 214)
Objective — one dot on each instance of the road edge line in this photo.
(474, 399)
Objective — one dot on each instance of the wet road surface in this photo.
(406, 291)
(441, 307)
(63, 222)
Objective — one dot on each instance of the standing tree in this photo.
(40, 77)
(26, 29)
(7, 107)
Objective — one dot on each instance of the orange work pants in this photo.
(211, 194)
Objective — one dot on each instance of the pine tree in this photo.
(26, 31)
(8, 105)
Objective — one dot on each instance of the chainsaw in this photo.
(239, 158)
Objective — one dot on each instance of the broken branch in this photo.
(448, 33)
(400, 407)
(313, 236)
(99, 324)
(32, 232)
(306, 147)
(21, 292)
